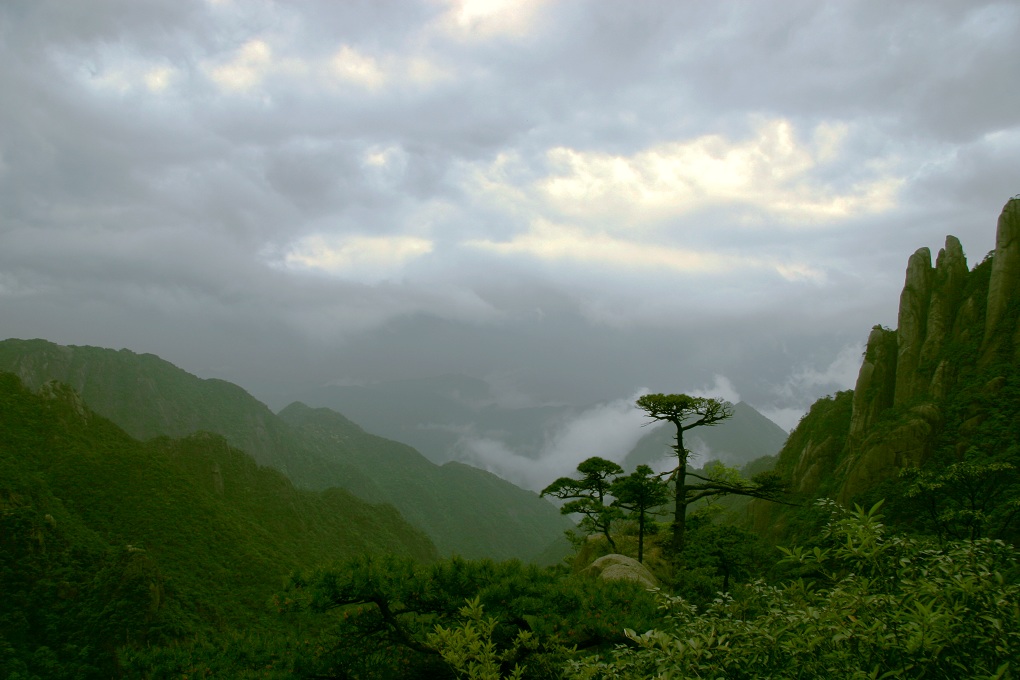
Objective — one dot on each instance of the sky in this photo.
(573, 200)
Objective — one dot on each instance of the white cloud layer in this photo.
(609, 430)
(721, 388)
(372, 258)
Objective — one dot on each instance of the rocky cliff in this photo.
(1000, 320)
(951, 326)
(924, 386)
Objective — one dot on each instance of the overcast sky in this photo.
(575, 200)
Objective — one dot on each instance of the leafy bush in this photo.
(870, 605)
(386, 607)
(469, 648)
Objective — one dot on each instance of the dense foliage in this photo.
(869, 604)
(401, 606)
(106, 541)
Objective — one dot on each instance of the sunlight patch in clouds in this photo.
(249, 66)
(158, 79)
(378, 72)
(115, 69)
(385, 157)
(770, 171)
(363, 257)
(628, 211)
(549, 241)
(799, 272)
(350, 65)
(490, 18)
(553, 242)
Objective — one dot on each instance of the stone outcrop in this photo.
(620, 568)
(1005, 280)
(57, 391)
(876, 382)
(883, 454)
(912, 324)
(929, 387)
(929, 306)
(934, 315)
(955, 327)
(812, 464)
(950, 276)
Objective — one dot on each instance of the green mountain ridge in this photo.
(420, 488)
(120, 540)
(434, 414)
(466, 510)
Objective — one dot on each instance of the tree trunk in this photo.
(641, 535)
(605, 532)
(680, 513)
(680, 509)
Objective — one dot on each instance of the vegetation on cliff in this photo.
(937, 401)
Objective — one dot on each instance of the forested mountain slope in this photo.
(465, 510)
(106, 540)
(434, 414)
(456, 504)
(933, 423)
(150, 397)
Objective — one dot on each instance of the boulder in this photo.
(620, 568)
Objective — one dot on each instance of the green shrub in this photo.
(870, 605)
